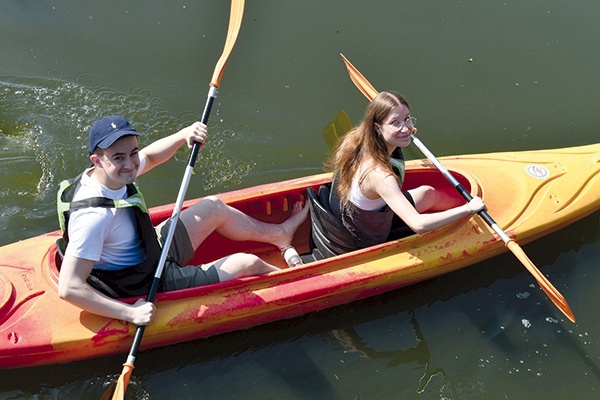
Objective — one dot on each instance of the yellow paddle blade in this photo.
(544, 283)
(336, 129)
(359, 80)
(235, 22)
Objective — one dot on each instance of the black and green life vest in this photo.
(398, 165)
(132, 281)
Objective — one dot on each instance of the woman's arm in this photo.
(387, 187)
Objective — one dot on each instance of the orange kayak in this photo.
(529, 194)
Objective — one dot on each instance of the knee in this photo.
(425, 198)
(250, 261)
(210, 204)
(212, 201)
(428, 190)
(437, 199)
(240, 265)
(428, 194)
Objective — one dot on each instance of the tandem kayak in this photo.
(530, 194)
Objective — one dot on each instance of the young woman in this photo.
(369, 172)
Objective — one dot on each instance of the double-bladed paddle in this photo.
(370, 92)
(235, 22)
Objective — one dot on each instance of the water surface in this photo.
(481, 77)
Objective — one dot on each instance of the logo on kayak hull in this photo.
(537, 171)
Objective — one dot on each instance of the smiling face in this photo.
(117, 165)
(396, 128)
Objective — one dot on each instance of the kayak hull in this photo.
(529, 194)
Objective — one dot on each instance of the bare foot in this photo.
(289, 226)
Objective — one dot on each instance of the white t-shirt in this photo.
(106, 236)
(363, 202)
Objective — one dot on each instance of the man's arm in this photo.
(73, 287)
(163, 149)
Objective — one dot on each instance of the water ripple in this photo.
(43, 137)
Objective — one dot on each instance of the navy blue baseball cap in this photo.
(108, 130)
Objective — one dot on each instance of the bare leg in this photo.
(428, 198)
(211, 214)
(242, 264)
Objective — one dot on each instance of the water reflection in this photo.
(418, 353)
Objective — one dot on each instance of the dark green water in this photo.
(481, 77)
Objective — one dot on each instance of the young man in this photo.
(110, 238)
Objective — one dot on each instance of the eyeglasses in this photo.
(408, 122)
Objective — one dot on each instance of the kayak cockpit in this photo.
(330, 238)
(273, 203)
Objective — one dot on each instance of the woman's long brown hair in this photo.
(363, 143)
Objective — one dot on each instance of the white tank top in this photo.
(361, 201)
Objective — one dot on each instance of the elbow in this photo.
(419, 228)
(417, 222)
(66, 291)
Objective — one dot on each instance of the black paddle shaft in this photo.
(467, 196)
(196, 149)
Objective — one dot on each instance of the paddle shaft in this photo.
(139, 333)
(235, 21)
(460, 188)
(545, 284)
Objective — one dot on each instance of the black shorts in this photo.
(399, 227)
(177, 274)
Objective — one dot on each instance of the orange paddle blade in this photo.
(122, 382)
(117, 389)
(544, 283)
(359, 80)
(235, 22)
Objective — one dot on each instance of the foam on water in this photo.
(43, 138)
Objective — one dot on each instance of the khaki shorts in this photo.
(175, 276)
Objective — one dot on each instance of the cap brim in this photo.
(113, 137)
